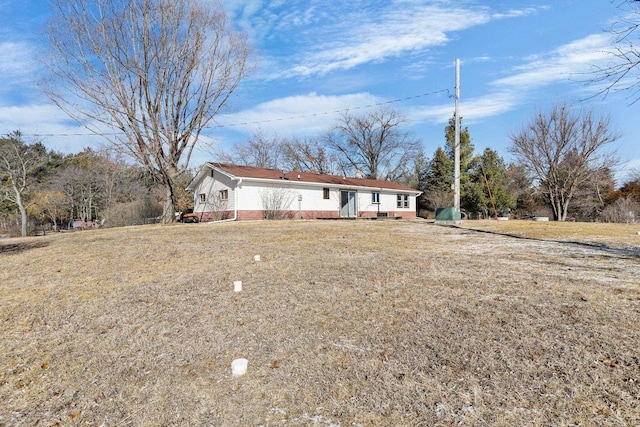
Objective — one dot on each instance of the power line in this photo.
(279, 119)
(325, 113)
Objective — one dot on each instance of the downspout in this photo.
(235, 206)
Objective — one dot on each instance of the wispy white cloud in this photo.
(517, 13)
(264, 19)
(366, 33)
(570, 61)
(568, 65)
(319, 37)
(303, 114)
(17, 64)
(471, 109)
(243, 11)
(504, 94)
(49, 124)
(389, 34)
(37, 118)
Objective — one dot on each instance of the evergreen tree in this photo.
(437, 191)
(417, 179)
(439, 177)
(488, 179)
(467, 160)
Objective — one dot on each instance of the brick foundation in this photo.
(388, 215)
(250, 215)
(256, 215)
(214, 216)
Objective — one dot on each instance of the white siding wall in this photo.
(313, 199)
(388, 201)
(251, 193)
(211, 188)
(364, 201)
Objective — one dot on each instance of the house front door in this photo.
(348, 204)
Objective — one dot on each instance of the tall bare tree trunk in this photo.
(153, 72)
(23, 218)
(19, 163)
(169, 211)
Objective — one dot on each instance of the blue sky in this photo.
(317, 58)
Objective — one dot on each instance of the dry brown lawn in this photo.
(354, 323)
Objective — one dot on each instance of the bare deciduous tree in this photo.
(19, 164)
(624, 57)
(623, 210)
(436, 198)
(308, 156)
(276, 203)
(153, 73)
(217, 205)
(50, 204)
(591, 197)
(374, 144)
(260, 151)
(561, 150)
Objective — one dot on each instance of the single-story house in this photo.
(233, 192)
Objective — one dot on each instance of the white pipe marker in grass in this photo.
(256, 258)
(239, 367)
(237, 286)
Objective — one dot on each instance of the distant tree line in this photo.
(149, 76)
(45, 190)
(561, 169)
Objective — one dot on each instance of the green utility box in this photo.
(447, 215)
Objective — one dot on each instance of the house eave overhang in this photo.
(293, 182)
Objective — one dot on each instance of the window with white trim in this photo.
(403, 200)
(223, 194)
(375, 197)
(325, 193)
(203, 197)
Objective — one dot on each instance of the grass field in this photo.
(354, 323)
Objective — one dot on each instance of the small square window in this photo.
(224, 194)
(403, 201)
(203, 197)
(325, 193)
(375, 197)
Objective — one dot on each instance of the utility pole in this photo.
(456, 185)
